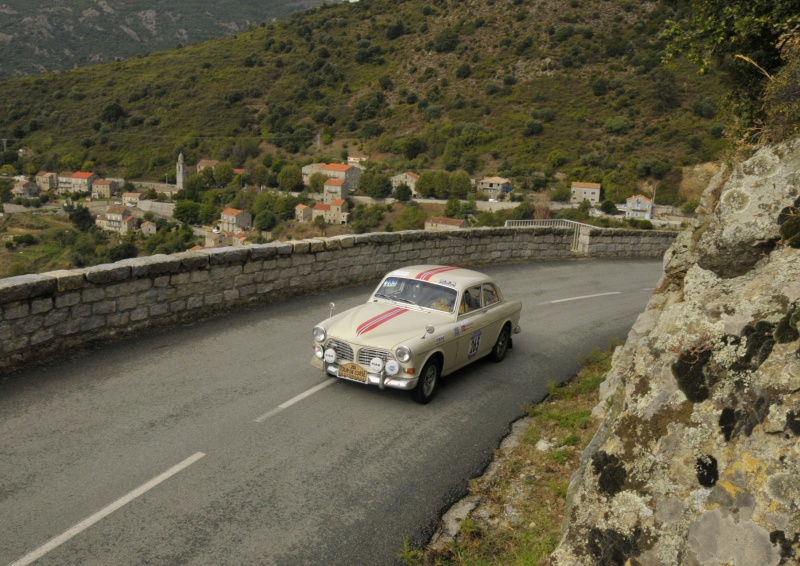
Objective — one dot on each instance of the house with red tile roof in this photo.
(118, 219)
(302, 213)
(334, 212)
(82, 181)
(332, 190)
(639, 206)
(235, 220)
(350, 174)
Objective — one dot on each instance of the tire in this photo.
(500, 348)
(428, 382)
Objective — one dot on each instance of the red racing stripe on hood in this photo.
(426, 275)
(376, 321)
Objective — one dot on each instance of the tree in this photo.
(745, 38)
(290, 178)
(375, 185)
(319, 222)
(122, 251)
(402, 192)
(223, 173)
(411, 218)
(80, 217)
(260, 175)
(609, 207)
(265, 221)
(187, 211)
(112, 113)
(316, 183)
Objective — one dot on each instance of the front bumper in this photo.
(381, 380)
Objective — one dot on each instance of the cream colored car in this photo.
(421, 322)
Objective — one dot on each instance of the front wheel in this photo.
(501, 346)
(428, 380)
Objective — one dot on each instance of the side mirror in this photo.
(429, 330)
(330, 314)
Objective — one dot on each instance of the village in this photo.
(126, 208)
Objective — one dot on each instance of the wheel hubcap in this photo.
(429, 381)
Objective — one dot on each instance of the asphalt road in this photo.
(198, 446)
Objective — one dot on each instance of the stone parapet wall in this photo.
(616, 243)
(43, 315)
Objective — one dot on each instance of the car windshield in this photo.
(416, 292)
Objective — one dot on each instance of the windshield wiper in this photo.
(394, 298)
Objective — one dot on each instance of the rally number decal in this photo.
(474, 344)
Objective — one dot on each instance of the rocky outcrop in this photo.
(698, 459)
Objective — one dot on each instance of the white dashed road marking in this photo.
(295, 399)
(105, 512)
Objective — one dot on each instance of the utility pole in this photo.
(5, 147)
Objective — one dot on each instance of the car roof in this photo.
(459, 276)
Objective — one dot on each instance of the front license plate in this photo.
(354, 372)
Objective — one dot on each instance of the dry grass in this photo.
(521, 509)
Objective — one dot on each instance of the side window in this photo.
(490, 295)
(471, 300)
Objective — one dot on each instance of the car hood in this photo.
(383, 325)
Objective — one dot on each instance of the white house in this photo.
(639, 206)
(494, 187)
(235, 220)
(408, 178)
(585, 191)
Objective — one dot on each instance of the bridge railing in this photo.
(554, 223)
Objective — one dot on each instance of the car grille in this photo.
(365, 355)
(344, 351)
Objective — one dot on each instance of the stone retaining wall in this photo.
(43, 315)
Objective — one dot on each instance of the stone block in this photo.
(127, 303)
(107, 273)
(212, 299)
(154, 265)
(26, 287)
(16, 310)
(104, 307)
(55, 317)
(227, 255)
(93, 295)
(68, 280)
(158, 309)
(41, 336)
(118, 319)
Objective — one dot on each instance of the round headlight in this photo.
(319, 334)
(403, 353)
(392, 367)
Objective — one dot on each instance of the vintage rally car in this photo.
(421, 323)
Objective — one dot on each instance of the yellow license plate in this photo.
(354, 372)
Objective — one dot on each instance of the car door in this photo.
(491, 319)
(471, 341)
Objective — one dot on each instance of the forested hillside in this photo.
(521, 88)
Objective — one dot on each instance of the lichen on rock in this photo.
(700, 466)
